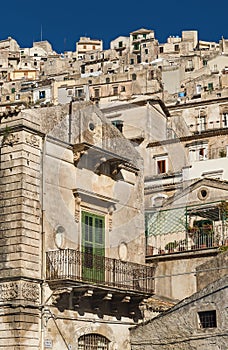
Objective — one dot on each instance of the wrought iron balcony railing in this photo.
(72, 265)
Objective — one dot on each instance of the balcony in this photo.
(98, 284)
(70, 265)
(190, 230)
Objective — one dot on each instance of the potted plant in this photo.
(222, 153)
(171, 246)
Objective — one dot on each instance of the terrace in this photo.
(187, 229)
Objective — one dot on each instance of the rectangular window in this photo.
(97, 93)
(161, 49)
(225, 120)
(207, 319)
(115, 90)
(120, 44)
(210, 86)
(161, 166)
(42, 94)
(79, 93)
(202, 123)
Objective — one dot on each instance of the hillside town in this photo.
(113, 206)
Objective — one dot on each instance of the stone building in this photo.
(86, 44)
(197, 322)
(184, 148)
(72, 231)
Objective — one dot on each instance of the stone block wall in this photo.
(20, 233)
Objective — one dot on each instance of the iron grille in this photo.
(69, 264)
(207, 319)
(93, 342)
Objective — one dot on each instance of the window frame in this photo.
(207, 319)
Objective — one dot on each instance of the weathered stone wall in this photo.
(20, 233)
(209, 271)
(179, 328)
(66, 328)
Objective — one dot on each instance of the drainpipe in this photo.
(70, 121)
(43, 263)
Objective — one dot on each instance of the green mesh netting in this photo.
(166, 221)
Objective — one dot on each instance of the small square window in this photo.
(207, 319)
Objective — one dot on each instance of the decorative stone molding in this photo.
(77, 208)
(30, 291)
(8, 291)
(32, 140)
(110, 222)
(11, 139)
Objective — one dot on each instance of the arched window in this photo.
(93, 342)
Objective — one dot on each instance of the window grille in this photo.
(93, 342)
(207, 319)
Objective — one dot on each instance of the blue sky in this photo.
(63, 22)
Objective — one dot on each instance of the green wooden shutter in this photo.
(93, 246)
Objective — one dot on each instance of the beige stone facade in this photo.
(72, 230)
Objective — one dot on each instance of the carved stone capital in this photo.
(11, 139)
(32, 140)
(8, 291)
(30, 291)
